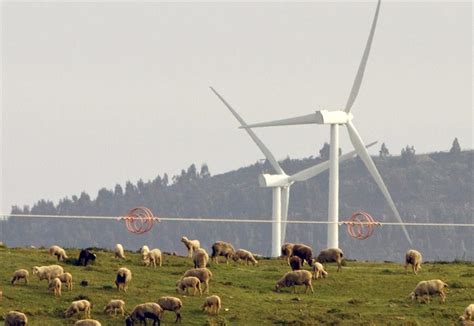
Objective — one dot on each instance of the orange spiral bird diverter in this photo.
(139, 220)
(361, 225)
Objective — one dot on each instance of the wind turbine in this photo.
(335, 119)
(280, 182)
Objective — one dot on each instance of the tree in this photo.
(165, 180)
(383, 153)
(408, 154)
(324, 152)
(455, 148)
(205, 173)
(118, 190)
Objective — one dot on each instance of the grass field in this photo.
(364, 293)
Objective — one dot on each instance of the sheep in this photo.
(203, 274)
(304, 252)
(143, 311)
(119, 251)
(124, 276)
(318, 270)
(191, 245)
(171, 304)
(152, 257)
(212, 305)
(295, 263)
(59, 252)
(428, 288)
(66, 278)
(144, 250)
(331, 255)
(245, 255)
(114, 306)
(293, 278)
(413, 258)
(79, 305)
(47, 272)
(287, 249)
(468, 313)
(55, 286)
(221, 248)
(87, 322)
(200, 258)
(21, 274)
(189, 282)
(15, 318)
(85, 256)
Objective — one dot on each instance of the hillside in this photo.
(434, 187)
(362, 293)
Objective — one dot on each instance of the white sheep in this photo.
(144, 250)
(57, 251)
(203, 274)
(468, 313)
(15, 318)
(152, 257)
(143, 311)
(77, 306)
(66, 278)
(124, 276)
(189, 282)
(425, 289)
(245, 255)
(47, 272)
(413, 258)
(87, 322)
(300, 277)
(21, 274)
(200, 258)
(119, 253)
(318, 270)
(115, 306)
(212, 305)
(191, 245)
(171, 304)
(55, 286)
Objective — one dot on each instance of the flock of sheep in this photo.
(197, 280)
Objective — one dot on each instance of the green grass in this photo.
(364, 293)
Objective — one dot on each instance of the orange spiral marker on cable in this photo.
(361, 225)
(139, 220)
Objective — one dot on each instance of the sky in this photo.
(98, 93)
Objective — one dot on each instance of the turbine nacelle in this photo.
(325, 117)
(273, 180)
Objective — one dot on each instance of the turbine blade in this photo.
(285, 200)
(301, 120)
(268, 155)
(363, 63)
(321, 167)
(365, 157)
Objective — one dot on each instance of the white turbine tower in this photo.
(280, 182)
(335, 119)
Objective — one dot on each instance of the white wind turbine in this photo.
(280, 182)
(334, 119)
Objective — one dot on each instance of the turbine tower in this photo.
(334, 119)
(280, 182)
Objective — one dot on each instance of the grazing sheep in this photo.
(87, 322)
(200, 258)
(287, 249)
(304, 252)
(295, 263)
(413, 258)
(245, 255)
(66, 278)
(55, 286)
(144, 250)
(85, 256)
(152, 257)
(115, 305)
(143, 311)
(203, 274)
(189, 282)
(331, 255)
(191, 245)
(124, 276)
(212, 305)
(15, 318)
(468, 312)
(47, 272)
(295, 278)
(427, 288)
(221, 248)
(59, 252)
(21, 274)
(119, 253)
(171, 304)
(79, 305)
(318, 270)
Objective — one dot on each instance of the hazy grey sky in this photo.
(95, 94)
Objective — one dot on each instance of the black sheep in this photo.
(85, 256)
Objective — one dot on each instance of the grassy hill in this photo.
(363, 293)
